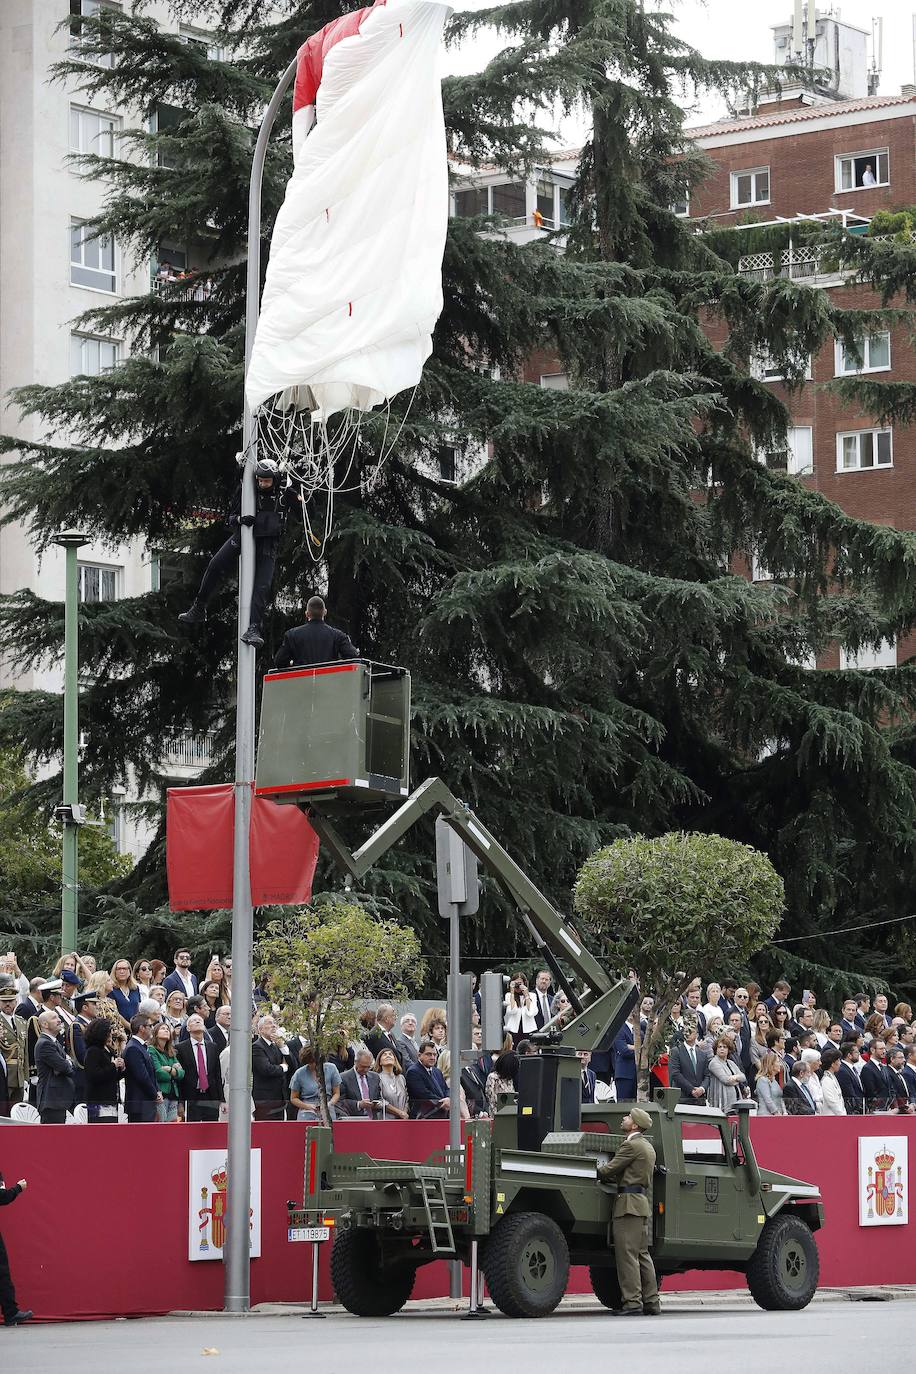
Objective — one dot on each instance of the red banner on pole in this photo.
(198, 848)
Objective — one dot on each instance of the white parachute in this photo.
(354, 282)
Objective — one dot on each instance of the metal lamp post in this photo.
(71, 541)
(237, 1278)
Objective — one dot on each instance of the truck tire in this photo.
(782, 1273)
(606, 1287)
(527, 1265)
(360, 1282)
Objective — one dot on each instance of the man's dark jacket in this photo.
(55, 1076)
(268, 1072)
(314, 642)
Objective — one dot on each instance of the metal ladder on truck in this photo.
(438, 1221)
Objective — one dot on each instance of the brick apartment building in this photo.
(802, 155)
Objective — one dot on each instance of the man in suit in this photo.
(850, 1026)
(625, 1061)
(727, 1003)
(876, 1085)
(899, 1085)
(382, 1036)
(687, 1065)
(32, 1005)
(202, 1085)
(543, 997)
(55, 1072)
(86, 1007)
(796, 1093)
(13, 1314)
(848, 1078)
(427, 1090)
(692, 1007)
(13, 1072)
(220, 1032)
(141, 1093)
(268, 1072)
(407, 1040)
(881, 1008)
(779, 997)
(181, 979)
(360, 1089)
(588, 1076)
(908, 1070)
(315, 641)
(631, 1170)
(863, 1009)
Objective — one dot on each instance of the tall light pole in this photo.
(237, 1252)
(71, 541)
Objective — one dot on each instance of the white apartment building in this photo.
(49, 275)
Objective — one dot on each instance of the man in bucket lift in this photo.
(271, 507)
(313, 642)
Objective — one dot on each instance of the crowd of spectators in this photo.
(145, 1043)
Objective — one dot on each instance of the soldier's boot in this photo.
(196, 614)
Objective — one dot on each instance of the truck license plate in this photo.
(308, 1233)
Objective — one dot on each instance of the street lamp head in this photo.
(71, 539)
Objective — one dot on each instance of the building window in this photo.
(767, 369)
(885, 656)
(91, 132)
(92, 258)
(448, 463)
(796, 457)
(96, 582)
(864, 448)
(759, 570)
(751, 188)
(563, 196)
(545, 192)
(115, 820)
(874, 352)
(681, 208)
(471, 201)
(509, 199)
(91, 357)
(203, 41)
(858, 171)
(79, 39)
(555, 381)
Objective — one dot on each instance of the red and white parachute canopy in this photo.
(354, 282)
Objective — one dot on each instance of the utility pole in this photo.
(237, 1252)
(70, 813)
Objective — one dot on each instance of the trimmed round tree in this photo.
(665, 908)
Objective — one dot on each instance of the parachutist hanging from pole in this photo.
(272, 504)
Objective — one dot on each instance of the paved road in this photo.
(827, 1337)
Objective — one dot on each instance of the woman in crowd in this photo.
(434, 1027)
(714, 1027)
(157, 995)
(211, 992)
(343, 1057)
(169, 1072)
(392, 1085)
(103, 1069)
(303, 1087)
(520, 1009)
(173, 1012)
(444, 1065)
(227, 975)
(767, 1089)
(832, 1103)
(781, 1017)
(73, 964)
(753, 997)
(102, 983)
(124, 991)
(503, 1079)
(217, 974)
(725, 1080)
(874, 1027)
(143, 976)
(159, 972)
(821, 1027)
(904, 1011)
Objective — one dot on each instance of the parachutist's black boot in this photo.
(194, 615)
(253, 636)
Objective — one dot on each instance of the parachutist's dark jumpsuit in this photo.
(271, 509)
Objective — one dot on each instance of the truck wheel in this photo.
(360, 1282)
(782, 1273)
(527, 1265)
(606, 1287)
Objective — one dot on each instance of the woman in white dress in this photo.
(832, 1103)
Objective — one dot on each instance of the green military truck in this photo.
(535, 1207)
(520, 1194)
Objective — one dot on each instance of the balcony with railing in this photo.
(811, 265)
(186, 753)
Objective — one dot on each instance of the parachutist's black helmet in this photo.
(267, 467)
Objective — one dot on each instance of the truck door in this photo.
(707, 1206)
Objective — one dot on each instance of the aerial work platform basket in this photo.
(336, 731)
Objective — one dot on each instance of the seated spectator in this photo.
(791, 1051)
(725, 1079)
(303, 1087)
(796, 1093)
(427, 1090)
(392, 1084)
(124, 991)
(767, 1089)
(502, 1079)
(832, 1103)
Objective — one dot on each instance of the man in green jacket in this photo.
(631, 1170)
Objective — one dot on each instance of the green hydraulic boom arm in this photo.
(601, 1004)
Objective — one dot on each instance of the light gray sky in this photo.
(740, 30)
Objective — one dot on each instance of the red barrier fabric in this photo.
(198, 847)
(199, 825)
(143, 1170)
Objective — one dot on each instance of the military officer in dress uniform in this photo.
(13, 1073)
(631, 1170)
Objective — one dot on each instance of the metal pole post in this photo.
(237, 1278)
(454, 1047)
(71, 541)
(313, 1309)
